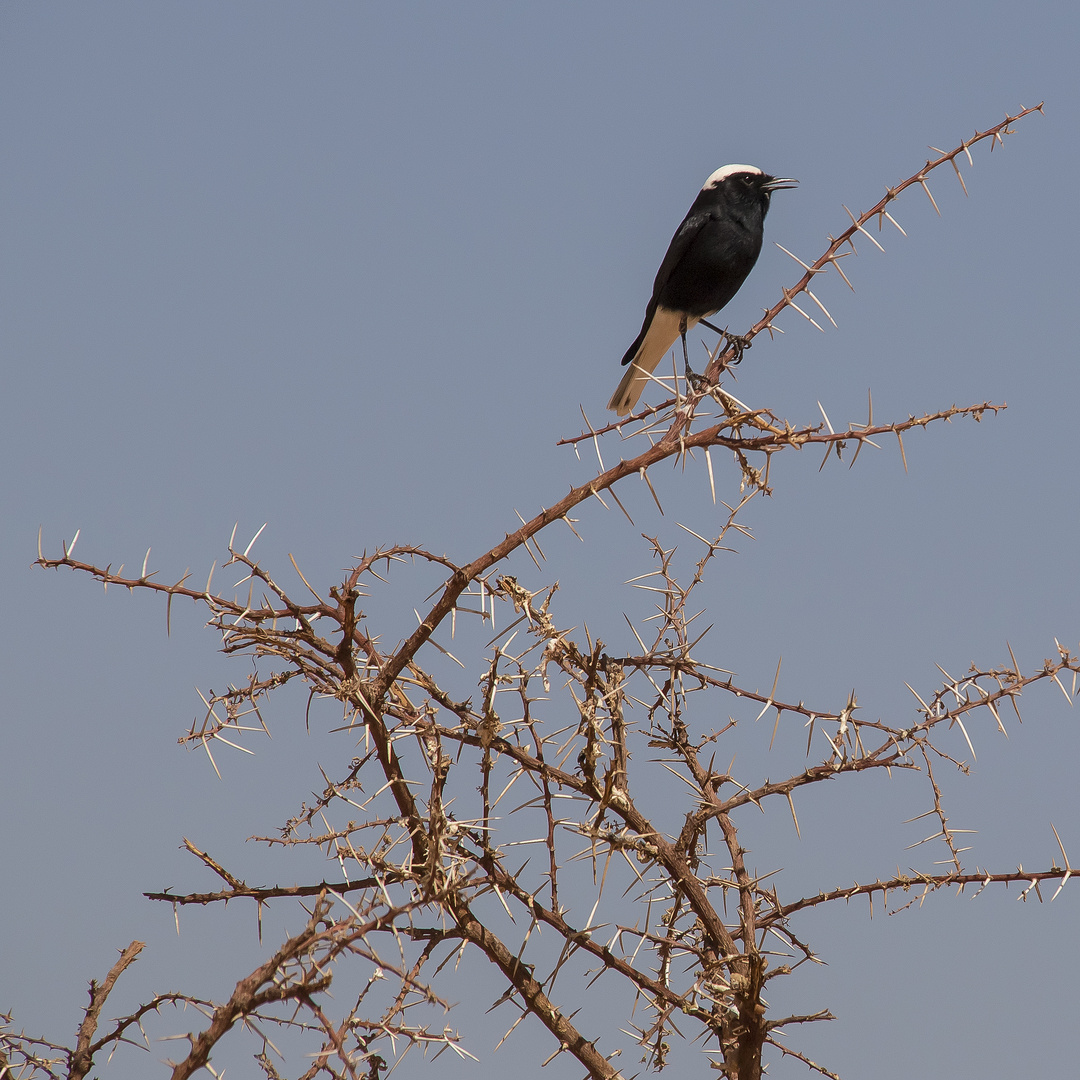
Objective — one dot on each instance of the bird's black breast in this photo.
(709, 258)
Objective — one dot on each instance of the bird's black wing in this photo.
(681, 242)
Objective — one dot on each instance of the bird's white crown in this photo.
(725, 171)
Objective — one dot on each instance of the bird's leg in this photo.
(693, 380)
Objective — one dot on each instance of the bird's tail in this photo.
(628, 391)
(661, 332)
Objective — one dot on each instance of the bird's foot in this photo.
(694, 381)
(739, 343)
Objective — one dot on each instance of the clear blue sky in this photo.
(350, 269)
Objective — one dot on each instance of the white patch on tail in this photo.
(663, 332)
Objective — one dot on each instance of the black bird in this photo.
(707, 260)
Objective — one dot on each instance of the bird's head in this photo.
(745, 184)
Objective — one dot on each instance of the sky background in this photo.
(351, 270)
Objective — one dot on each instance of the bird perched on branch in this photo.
(707, 260)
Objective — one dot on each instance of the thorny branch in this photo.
(557, 747)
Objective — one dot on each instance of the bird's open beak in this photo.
(778, 183)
